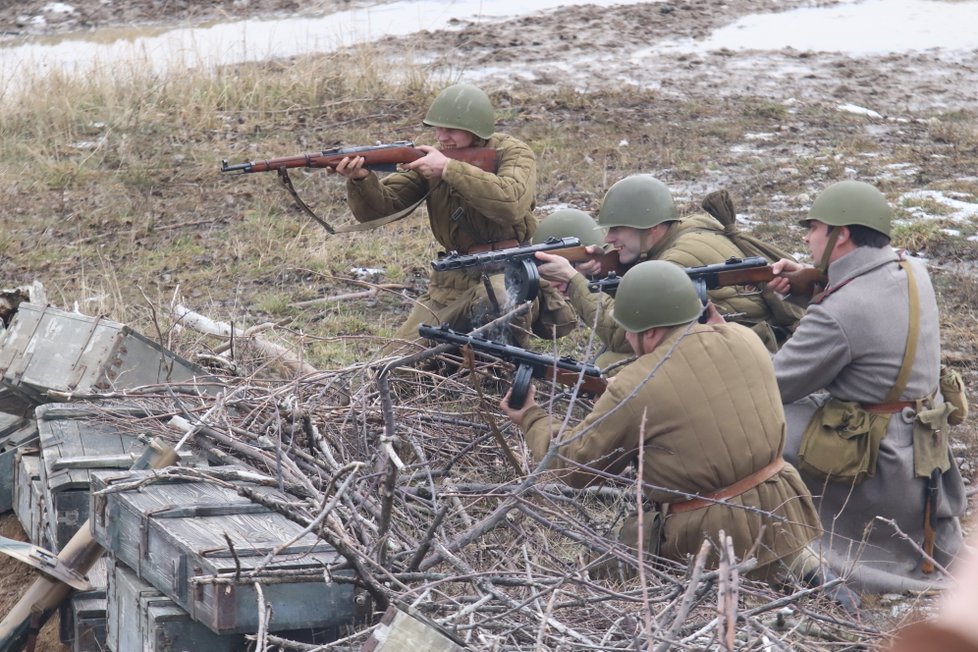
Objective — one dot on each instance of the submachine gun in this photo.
(529, 364)
(520, 263)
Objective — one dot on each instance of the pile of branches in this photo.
(407, 468)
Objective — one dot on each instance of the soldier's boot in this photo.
(839, 593)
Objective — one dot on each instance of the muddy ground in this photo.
(924, 135)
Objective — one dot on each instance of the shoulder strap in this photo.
(912, 333)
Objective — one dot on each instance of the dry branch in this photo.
(424, 509)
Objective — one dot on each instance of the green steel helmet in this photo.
(848, 203)
(655, 293)
(640, 201)
(569, 223)
(463, 106)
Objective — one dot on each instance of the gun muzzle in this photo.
(237, 167)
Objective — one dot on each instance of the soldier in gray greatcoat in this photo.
(867, 423)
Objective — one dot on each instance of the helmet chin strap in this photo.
(823, 264)
(644, 244)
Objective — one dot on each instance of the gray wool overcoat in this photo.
(850, 346)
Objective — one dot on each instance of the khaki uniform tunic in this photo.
(850, 346)
(469, 207)
(708, 407)
(693, 241)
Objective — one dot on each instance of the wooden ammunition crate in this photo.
(142, 619)
(83, 616)
(172, 533)
(84, 630)
(73, 443)
(49, 349)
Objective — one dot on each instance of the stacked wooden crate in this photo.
(180, 555)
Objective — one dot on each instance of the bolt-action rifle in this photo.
(522, 277)
(382, 158)
(733, 271)
(529, 364)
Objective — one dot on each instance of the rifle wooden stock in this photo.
(748, 271)
(608, 259)
(593, 385)
(376, 157)
(930, 521)
(804, 283)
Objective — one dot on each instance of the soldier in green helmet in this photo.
(702, 404)
(469, 210)
(573, 223)
(868, 405)
(643, 223)
(570, 222)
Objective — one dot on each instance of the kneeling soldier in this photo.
(704, 400)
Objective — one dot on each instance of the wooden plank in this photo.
(28, 494)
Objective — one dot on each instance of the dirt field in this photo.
(766, 125)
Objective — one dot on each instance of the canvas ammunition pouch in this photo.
(652, 532)
(770, 339)
(842, 442)
(930, 445)
(609, 567)
(952, 388)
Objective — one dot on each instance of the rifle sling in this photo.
(283, 175)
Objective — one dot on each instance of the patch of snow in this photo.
(858, 110)
(366, 273)
(57, 8)
(962, 211)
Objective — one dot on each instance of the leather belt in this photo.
(888, 408)
(492, 246)
(737, 488)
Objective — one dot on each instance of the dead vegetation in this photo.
(428, 513)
